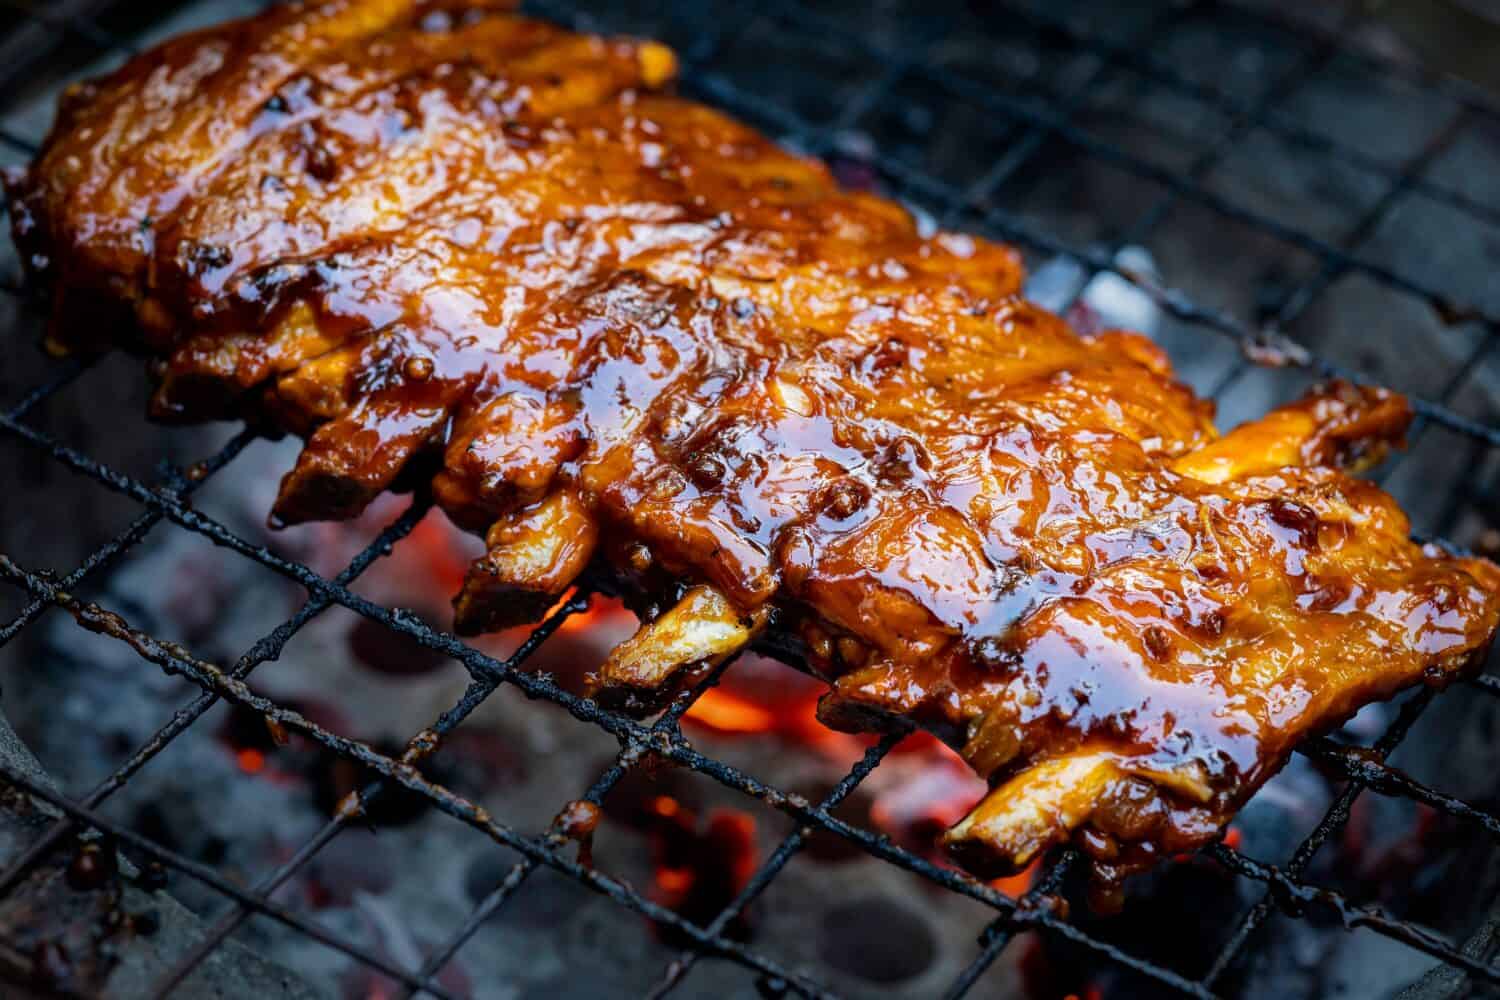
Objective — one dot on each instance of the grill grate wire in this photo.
(1028, 126)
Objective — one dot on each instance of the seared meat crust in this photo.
(631, 333)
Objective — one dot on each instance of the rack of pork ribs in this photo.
(621, 333)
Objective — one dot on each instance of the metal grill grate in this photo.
(1028, 124)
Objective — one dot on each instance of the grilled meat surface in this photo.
(616, 329)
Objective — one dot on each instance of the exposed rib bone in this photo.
(701, 630)
(1017, 821)
(1040, 807)
(534, 556)
(1338, 424)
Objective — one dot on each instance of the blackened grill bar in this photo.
(962, 206)
(1179, 184)
(398, 771)
(780, 393)
(1362, 769)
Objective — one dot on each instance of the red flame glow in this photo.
(760, 696)
(602, 610)
(1017, 885)
(699, 868)
(250, 761)
(923, 789)
(445, 563)
(790, 713)
(724, 712)
(935, 797)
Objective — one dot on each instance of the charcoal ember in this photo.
(632, 801)
(701, 865)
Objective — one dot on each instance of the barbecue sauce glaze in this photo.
(445, 243)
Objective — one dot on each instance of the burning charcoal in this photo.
(933, 797)
(726, 713)
(256, 740)
(878, 940)
(632, 801)
(245, 731)
(760, 696)
(701, 868)
(1396, 854)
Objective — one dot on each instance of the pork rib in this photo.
(629, 333)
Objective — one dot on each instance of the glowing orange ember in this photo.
(1017, 885)
(434, 538)
(601, 610)
(725, 712)
(760, 696)
(924, 788)
(250, 760)
(1091, 993)
(700, 867)
(803, 725)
